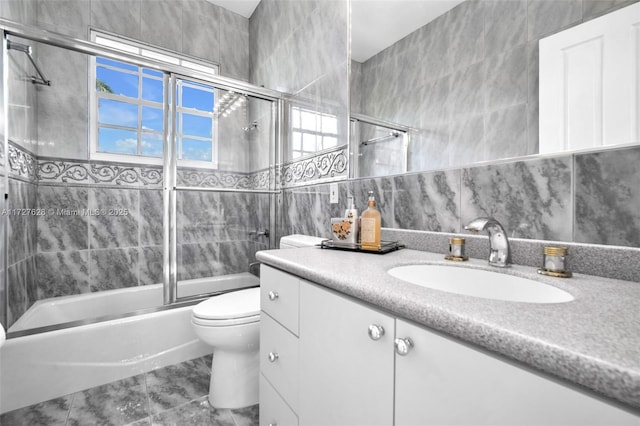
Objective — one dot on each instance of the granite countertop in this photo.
(593, 341)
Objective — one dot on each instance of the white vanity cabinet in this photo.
(358, 365)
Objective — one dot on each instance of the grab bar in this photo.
(380, 139)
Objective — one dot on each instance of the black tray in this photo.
(385, 247)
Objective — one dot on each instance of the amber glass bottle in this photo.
(370, 224)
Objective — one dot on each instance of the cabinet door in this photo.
(346, 377)
(442, 381)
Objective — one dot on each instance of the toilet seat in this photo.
(233, 308)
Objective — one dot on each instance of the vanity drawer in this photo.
(279, 358)
(279, 294)
(273, 409)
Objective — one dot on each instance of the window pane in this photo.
(116, 82)
(309, 142)
(152, 72)
(195, 125)
(308, 120)
(152, 90)
(295, 117)
(117, 64)
(151, 144)
(117, 113)
(297, 141)
(196, 150)
(152, 118)
(117, 141)
(197, 98)
(329, 124)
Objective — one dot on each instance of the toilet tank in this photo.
(299, 240)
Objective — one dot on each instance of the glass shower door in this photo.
(224, 185)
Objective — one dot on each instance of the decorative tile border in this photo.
(22, 163)
(322, 166)
(60, 171)
(217, 179)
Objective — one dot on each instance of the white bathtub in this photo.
(48, 365)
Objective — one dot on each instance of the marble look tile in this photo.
(178, 384)
(114, 230)
(23, 11)
(151, 262)
(506, 133)
(62, 273)
(594, 8)
(465, 23)
(466, 141)
(119, 402)
(234, 45)
(248, 416)
(432, 102)
(314, 201)
(467, 91)
(201, 29)
(434, 52)
(505, 77)
(429, 201)
(151, 217)
(113, 268)
(607, 197)
(65, 226)
(202, 217)
(429, 149)
(18, 279)
(168, 34)
(383, 192)
(49, 413)
(235, 256)
(121, 17)
(69, 17)
(546, 17)
(505, 25)
(529, 198)
(194, 413)
(62, 107)
(199, 260)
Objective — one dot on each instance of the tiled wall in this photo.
(63, 250)
(301, 48)
(468, 81)
(587, 198)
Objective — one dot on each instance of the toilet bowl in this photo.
(230, 324)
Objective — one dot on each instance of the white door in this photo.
(346, 377)
(590, 83)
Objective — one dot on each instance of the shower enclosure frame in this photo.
(171, 73)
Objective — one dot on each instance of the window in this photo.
(312, 131)
(127, 117)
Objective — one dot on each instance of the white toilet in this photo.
(230, 323)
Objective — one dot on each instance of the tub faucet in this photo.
(499, 254)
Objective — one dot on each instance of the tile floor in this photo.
(173, 395)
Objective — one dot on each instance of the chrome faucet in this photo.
(499, 254)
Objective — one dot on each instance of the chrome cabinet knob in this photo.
(273, 356)
(403, 346)
(376, 331)
(273, 295)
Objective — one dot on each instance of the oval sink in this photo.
(480, 283)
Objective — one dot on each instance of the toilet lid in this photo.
(235, 304)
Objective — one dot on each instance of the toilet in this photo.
(230, 324)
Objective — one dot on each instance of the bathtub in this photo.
(48, 365)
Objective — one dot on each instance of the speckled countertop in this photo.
(593, 340)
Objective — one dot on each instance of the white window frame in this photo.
(173, 58)
(318, 133)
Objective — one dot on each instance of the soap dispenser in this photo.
(370, 224)
(351, 214)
